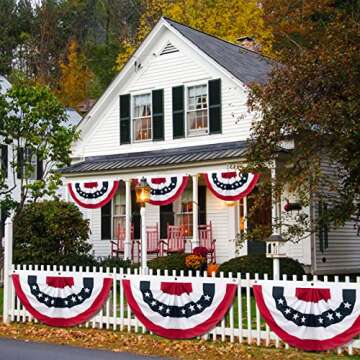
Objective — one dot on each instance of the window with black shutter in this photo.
(106, 221)
(4, 160)
(215, 126)
(178, 112)
(20, 162)
(39, 168)
(125, 119)
(158, 114)
(166, 217)
(2, 224)
(323, 231)
(202, 204)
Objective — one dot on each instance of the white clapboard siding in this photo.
(298, 250)
(343, 252)
(163, 72)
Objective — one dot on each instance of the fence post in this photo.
(8, 257)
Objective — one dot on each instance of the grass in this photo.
(118, 341)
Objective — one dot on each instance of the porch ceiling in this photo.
(163, 157)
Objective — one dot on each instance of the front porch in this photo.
(213, 196)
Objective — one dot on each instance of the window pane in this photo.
(197, 108)
(142, 117)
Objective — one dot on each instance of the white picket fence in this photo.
(242, 324)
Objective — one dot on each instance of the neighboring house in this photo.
(6, 155)
(179, 107)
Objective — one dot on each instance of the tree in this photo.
(51, 232)
(313, 99)
(75, 77)
(33, 124)
(237, 18)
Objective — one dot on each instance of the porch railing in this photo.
(243, 322)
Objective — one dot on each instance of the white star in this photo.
(338, 315)
(167, 310)
(40, 295)
(183, 311)
(321, 320)
(280, 301)
(330, 316)
(66, 302)
(207, 297)
(87, 290)
(34, 287)
(192, 308)
(73, 299)
(347, 305)
(52, 301)
(46, 299)
(303, 319)
(199, 306)
(161, 307)
(80, 298)
(287, 311)
(153, 303)
(147, 294)
(295, 316)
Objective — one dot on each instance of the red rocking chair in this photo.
(118, 245)
(153, 241)
(207, 241)
(175, 242)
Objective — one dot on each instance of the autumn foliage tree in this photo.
(312, 99)
(227, 19)
(75, 77)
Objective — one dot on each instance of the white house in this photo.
(7, 153)
(178, 109)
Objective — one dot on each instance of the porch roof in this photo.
(162, 157)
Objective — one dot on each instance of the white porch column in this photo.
(127, 243)
(275, 220)
(195, 240)
(8, 258)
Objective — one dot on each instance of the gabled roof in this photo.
(246, 65)
(184, 155)
(74, 117)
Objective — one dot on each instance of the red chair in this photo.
(175, 242)
(153, 241)
(118, 245)
(207, 241)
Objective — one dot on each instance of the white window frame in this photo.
(178, 213)
(113, 216)
(202, 131)
(133, 118)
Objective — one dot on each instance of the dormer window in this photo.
(197, 110)
(142, 120)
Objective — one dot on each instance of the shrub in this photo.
(113, 262)
(260, 264)
(200, 251)
(195, 262)
(52, 232)
(170, 262)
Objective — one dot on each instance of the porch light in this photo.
(142, 191)
(230, 203)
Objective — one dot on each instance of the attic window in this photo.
(168, 49)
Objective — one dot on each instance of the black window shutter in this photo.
(215, 106)
(135, 218)
(158, 114)
(20, 162)
(178, 112)
(125, 119)
(39, 168)
(106, 221)
(4, 160)
(166, 217)
(202, 204)
(2, 223)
